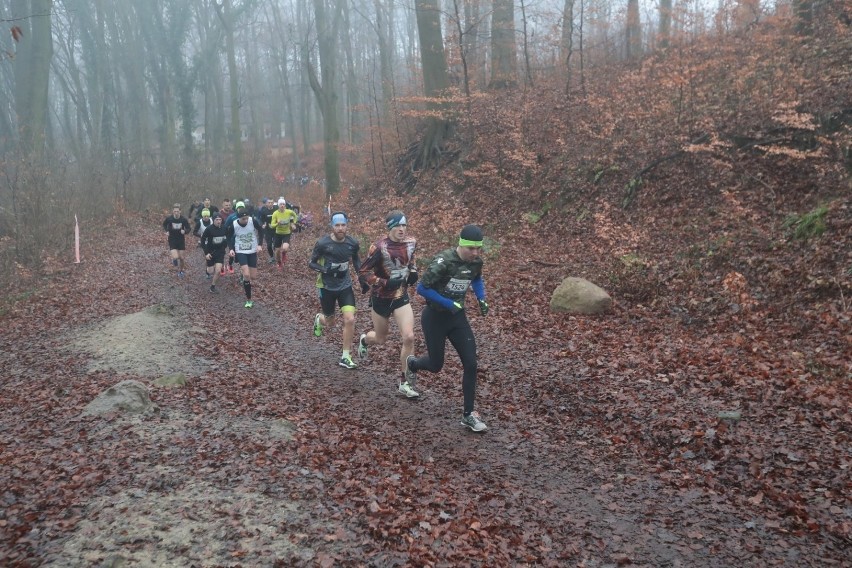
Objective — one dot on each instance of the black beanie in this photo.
(471, 233)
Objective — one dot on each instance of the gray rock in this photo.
(579, 296)
(127, 396)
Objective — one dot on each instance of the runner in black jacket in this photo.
(214, 240)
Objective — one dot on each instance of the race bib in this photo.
(457, 285)
(245, 242)
(218, 240)
(177, 226)
(340, 267)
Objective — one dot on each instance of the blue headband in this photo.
(338, 218)
(396, 221)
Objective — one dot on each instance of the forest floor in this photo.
(274, 455)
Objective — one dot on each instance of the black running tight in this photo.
(438, 326)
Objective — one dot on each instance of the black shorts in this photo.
(216, 257)
(247, 259)
(280, 239)
(328, 298)
(177, 243)
(386, 306)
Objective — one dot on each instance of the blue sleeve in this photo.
(478, 286)
(434, 296)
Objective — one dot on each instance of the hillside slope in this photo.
(708, 190)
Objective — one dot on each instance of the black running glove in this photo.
(483, 307)
(412, 277)
(365, 287)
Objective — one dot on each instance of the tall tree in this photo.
(328, 26)
(633, 31)
(436, 82)
(665, 23)
(32, 71)
(566, 45)
(504, 56)
(228, 19)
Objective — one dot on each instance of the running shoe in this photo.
(347, 362)
(213, 289)
(249, 304)
(473, 422)
(222, 273)
(318, 325)
(180, 274)
(231, 269)
(407, 390)
(208, 276)
(410, 375)
(271, 260)
(174, 262)
(362, 346)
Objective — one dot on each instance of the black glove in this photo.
(394, 283)
(457, 307)
(412, 277)
(483, 307)
(365, 286)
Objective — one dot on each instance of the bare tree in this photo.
(32, 71)
(324, 88)
(503, 51)
(633, 31)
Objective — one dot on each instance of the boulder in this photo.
(579, 296)
(126, 396)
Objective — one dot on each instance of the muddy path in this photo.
(274, 455)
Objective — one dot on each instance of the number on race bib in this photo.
(458, 286)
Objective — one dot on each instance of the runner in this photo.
(214, 240)
(239, 207)
(177, 226)
(331, 257)
(225, 213)
(243, 235)
(389, 270)
(201, 225)
(282, 221)
(265, 216)
(444, 285)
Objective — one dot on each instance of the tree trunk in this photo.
(32, 71)
(324, 88)
(665, 23)
(227, 18)
(503, 51)
(436, 81)
(566, 45)
(633, 37)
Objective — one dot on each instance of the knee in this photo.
(408, 338)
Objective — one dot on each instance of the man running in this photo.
(177, 226)
(202, 222)
(331, 257)
(214, 240)
(444, 285)
(283, 221)
(243, 235)
(389, 270)
(265, 216)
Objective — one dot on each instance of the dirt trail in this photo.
(363, 477)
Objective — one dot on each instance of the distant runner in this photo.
(177, 226)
